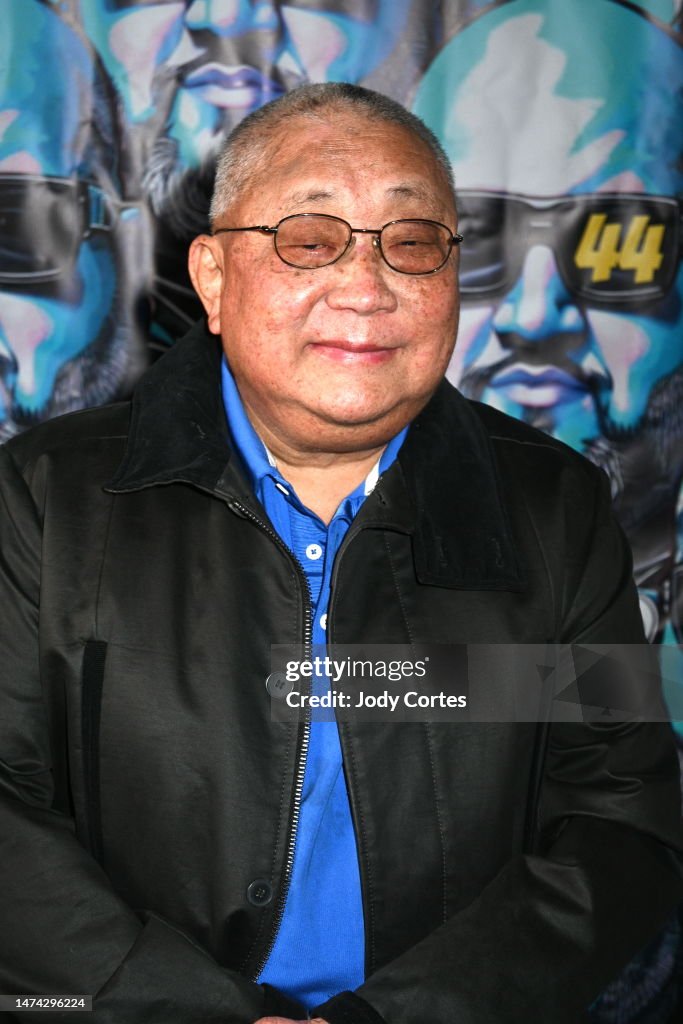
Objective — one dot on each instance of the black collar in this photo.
(443, 489)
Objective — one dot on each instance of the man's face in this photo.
(341, 357)
(58, 271)
(552, 329)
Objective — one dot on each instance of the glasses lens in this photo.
(311, 240)
(489, 225)
(415, 246)
(618, 249)
(40, 227)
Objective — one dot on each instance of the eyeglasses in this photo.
(309, 241)
(43, 221)
(613, 250)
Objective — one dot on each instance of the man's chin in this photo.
(343, 431)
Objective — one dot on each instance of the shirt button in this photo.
(260, 893)
(323, 621)
(313, 551)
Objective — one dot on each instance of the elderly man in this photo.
(300, 472)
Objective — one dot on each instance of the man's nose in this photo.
(361, 280)
(539, 306)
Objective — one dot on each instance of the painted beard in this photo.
(644, 462)
(651, 450)
(662, 421)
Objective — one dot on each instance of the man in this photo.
(169, 845)
(64, 232)
(557, 328)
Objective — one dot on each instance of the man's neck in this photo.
(324, 483)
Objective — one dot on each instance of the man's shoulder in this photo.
(529, 460)
(505, 429)
(514, 442)
(68, 440)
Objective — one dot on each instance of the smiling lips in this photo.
(342, 351)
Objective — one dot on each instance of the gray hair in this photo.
(244, 155)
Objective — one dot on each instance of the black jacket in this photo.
(507, 871)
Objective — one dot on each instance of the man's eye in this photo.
(413, 245)
(307, 248)
(314, 246)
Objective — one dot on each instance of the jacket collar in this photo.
(443, 489)
(177, 429)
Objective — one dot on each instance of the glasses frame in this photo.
(454, 240)
(547, 211)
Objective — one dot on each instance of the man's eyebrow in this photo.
(407, 190)
(412, 191)
(313, 195)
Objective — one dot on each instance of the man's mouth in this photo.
(229, 86)
(342, 351)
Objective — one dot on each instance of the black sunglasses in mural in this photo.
(43, 221)
(123, 5)
(363, 10)
(613, 250)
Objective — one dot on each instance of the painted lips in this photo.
(226, 86)
(540, 386)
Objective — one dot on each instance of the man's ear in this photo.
(205, 263)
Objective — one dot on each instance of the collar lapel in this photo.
(178, 429)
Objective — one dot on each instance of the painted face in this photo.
(571, 283)
(218, 60)
(338, 358)
(57, 280)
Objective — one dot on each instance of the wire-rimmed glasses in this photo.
(309, 241)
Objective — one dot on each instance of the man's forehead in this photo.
(312, 194)
(337, 132)
(317, 161)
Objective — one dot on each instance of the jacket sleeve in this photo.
(64, 929)
(556, 925)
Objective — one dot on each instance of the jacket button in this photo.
(260, 893)
(278, 686)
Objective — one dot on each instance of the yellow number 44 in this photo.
(599, 249)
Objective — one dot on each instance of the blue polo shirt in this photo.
(319, 949)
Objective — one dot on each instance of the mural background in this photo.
(564, 122)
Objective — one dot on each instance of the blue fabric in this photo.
(319, 949)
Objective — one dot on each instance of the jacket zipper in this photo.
(245, 513)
